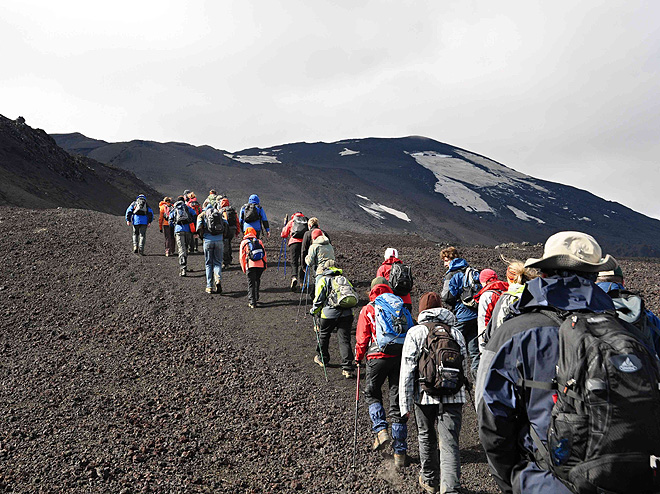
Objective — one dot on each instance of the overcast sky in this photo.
(565, 91)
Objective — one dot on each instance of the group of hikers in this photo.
(561, 358)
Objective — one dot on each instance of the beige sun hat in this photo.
(573, 250)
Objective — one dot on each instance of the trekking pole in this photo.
(355, 427)
(280, 257)
(285, 246)
(317, 330)
(300, 301)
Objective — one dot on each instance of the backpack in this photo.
(256, 251)
(342, 294)
(195, 206)
(604, 427)
(299, 226)
(215, 223)
(440, 365)
(181, 213)
(401, 279)
(230, 215)
(251, 213)
(140, 206)
(470, 288)
(392, 323)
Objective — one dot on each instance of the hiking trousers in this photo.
(342, 325)
(139, 237)
(297, 269)
(379, 370)
(254, 280)
(227, 257)
(438, 427)
(182, 241)
(170, 243)
(213, 260)
(469, 330)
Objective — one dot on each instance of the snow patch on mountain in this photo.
(348, 152)
(453, 173)
(376, 210)
(254, 160)
(522, 215)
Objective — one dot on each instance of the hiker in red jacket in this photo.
(492, 290)
(295, 230)
(384, 270)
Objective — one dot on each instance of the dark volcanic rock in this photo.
(120, 376)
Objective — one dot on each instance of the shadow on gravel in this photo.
(239, 294)
(275, 289)
(473, 454)
(277, 303)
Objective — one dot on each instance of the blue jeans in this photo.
(213, 250)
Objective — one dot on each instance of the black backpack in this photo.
(299, 226)
(181, 213)
(140, 206)
(401, 279)
(230, 215)
(215, 223)
(470, 288)
(251, 213)
(440, 365)
(604, 432)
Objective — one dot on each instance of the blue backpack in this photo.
(392, 323)
(256, 252)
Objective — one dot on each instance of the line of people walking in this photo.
(563, 360)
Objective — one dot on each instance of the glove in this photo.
(312, 311)
(161, 230)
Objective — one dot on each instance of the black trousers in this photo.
(294, 256)
(226, 253)
(342, 325)
(378, 370)
(254, 280)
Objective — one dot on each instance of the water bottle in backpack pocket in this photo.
(255, 250)
(392, 323)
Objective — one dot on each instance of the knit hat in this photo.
(316, 233)
(391, 252)
(487, 275)
(429, 300)
(379, 280)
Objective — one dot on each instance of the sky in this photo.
(564, 91)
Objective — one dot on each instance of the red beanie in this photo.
(316, 233)
(487, 275)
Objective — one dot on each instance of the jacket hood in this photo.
(332, 270)
(500, 285)
(457, 264)
(162, 203)
(572, 293)
(142, 196)
(250, 233)
(437, 314)
(610, 286)
(391, 260)
(379, 290)
(224, 202)
(322, 239)
(254, 199)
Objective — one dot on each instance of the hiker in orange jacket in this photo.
(253, 263)
(164, 225)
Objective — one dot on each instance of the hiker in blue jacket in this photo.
(253, 215)
(213, 247)
(451, 295)
(526, 348)
(140, 215)
(181, 216)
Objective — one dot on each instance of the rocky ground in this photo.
(120, 376)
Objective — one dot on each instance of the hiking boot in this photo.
(426, 487)
(209, 290)
(294, 284)
(348, 374)
(167, 254)
(252, 306)
(135, 250)
(218, 287)
(318, 361)
(400, 460)
(182, 272)
(382, 439)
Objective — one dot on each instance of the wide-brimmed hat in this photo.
(573, 251)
